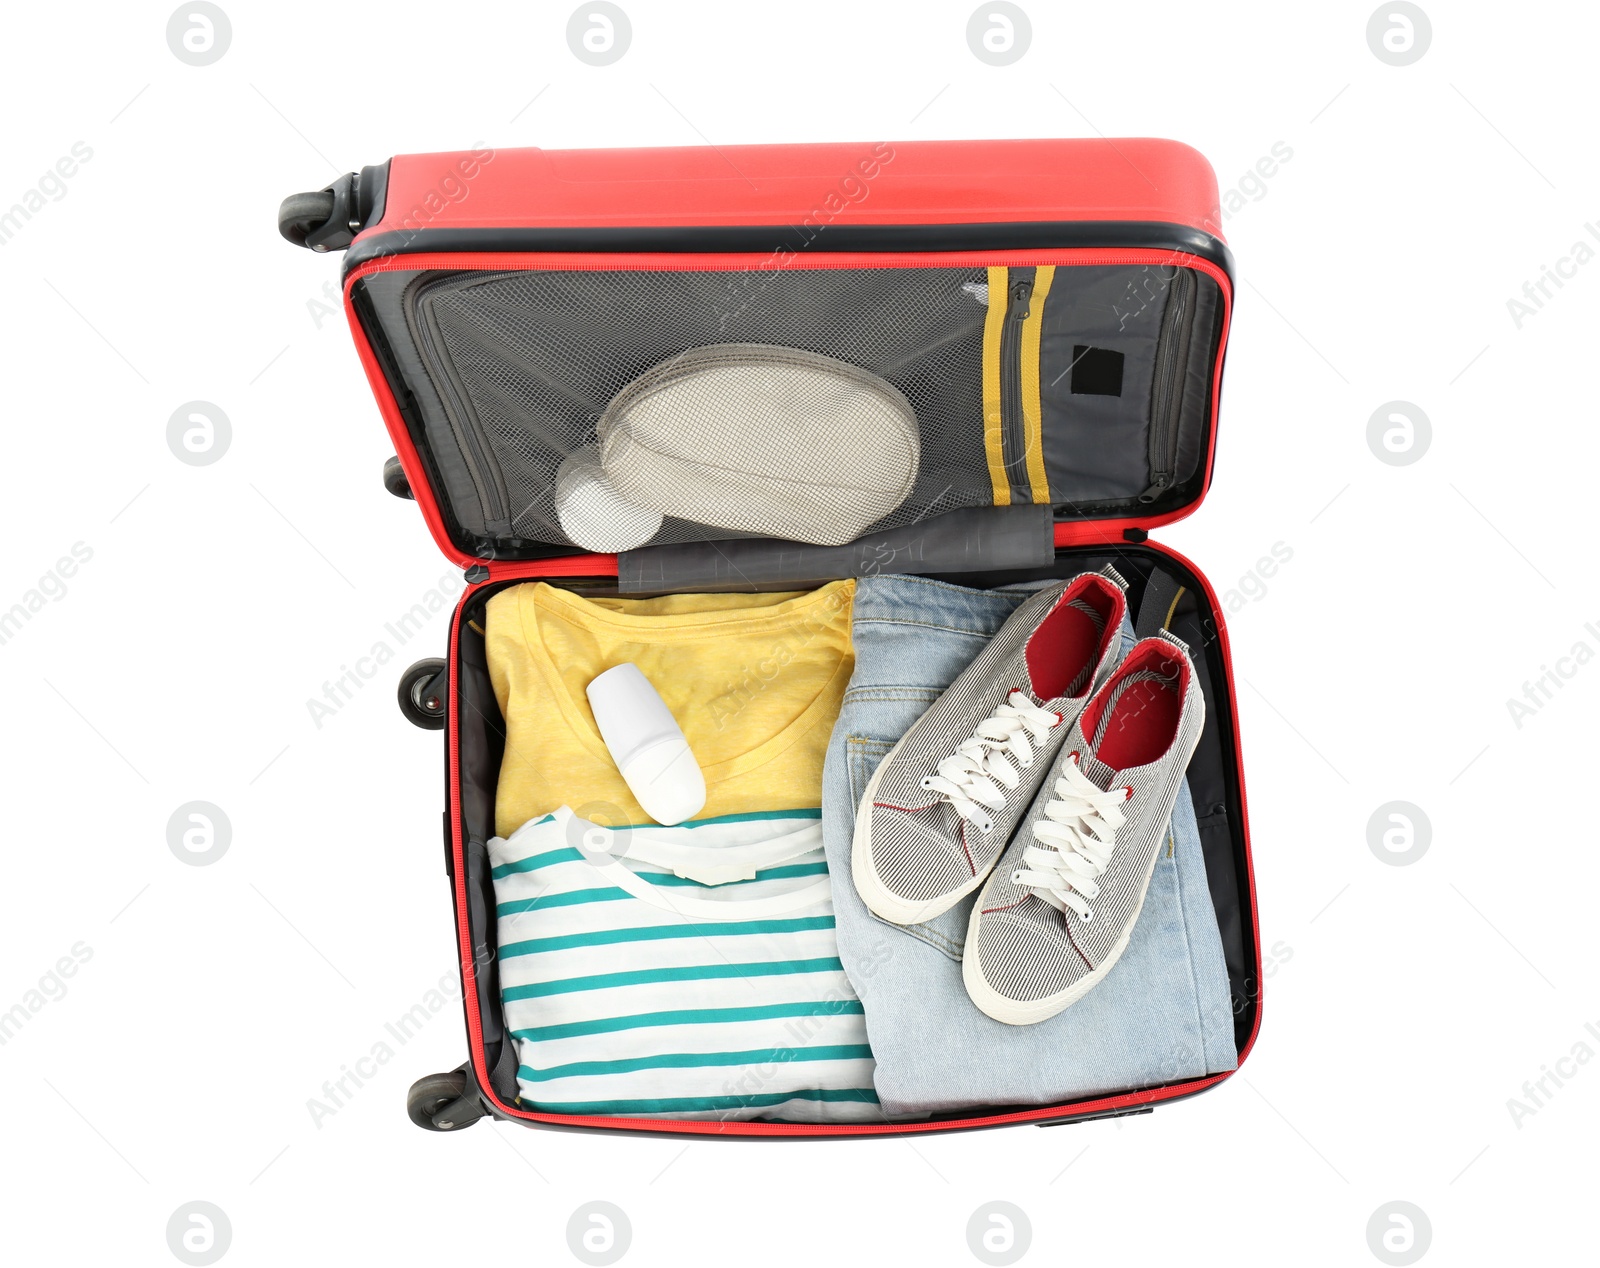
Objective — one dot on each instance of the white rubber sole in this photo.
(880, 900)
(1016, 1012)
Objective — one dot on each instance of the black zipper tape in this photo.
(1013, 432)
(1166, 397)
(485, 471)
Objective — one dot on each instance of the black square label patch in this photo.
(1096, 371)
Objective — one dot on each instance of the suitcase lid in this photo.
(1054, 312)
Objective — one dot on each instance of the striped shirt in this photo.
(686, 972)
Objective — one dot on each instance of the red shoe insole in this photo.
(1141, 726)
(1067, 642)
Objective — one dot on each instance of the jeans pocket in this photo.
(945, 933)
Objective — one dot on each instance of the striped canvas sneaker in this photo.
(942, 804)
(1061, 905)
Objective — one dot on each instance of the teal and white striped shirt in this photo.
(686, 972)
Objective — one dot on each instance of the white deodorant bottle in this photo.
(647, 745)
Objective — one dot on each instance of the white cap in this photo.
(647, 745)
(592, 513)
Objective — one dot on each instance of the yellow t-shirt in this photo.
(754, 680)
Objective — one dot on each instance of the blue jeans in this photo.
(1162, 1014)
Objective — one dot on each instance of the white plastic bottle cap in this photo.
(647, 745)
(592, 513)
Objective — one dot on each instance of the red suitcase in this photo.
(627, 251)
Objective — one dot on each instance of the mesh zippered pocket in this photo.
(1049, 384)
(527, 362)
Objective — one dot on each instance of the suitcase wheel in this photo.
(439, 1103)
(422, 692)
(394, 479)
(302, 214)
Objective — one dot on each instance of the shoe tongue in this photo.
(1099, 774)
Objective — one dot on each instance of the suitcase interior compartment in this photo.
(1213, 776)
(1085, 386)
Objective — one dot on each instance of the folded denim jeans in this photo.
(1162, 1014)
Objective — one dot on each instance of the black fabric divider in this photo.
(978, 537)
(1161, 593)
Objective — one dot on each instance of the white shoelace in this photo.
(1076, 838)
(977, 776)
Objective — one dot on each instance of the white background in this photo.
(1406, 1004)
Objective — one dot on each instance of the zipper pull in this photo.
(1021, 297)
(1158, 486)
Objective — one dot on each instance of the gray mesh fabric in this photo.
(526, 363)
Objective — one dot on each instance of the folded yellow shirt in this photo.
(754, 680)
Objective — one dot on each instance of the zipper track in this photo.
(485, 472)
(1172, 362)
(500, 261)
(1013, 432)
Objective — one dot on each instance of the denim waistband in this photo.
(914, 601)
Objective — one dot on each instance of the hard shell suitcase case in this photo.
(1056, 311)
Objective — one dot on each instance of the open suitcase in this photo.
(1055, 311)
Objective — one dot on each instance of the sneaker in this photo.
(942, 804)
(1061, 905)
